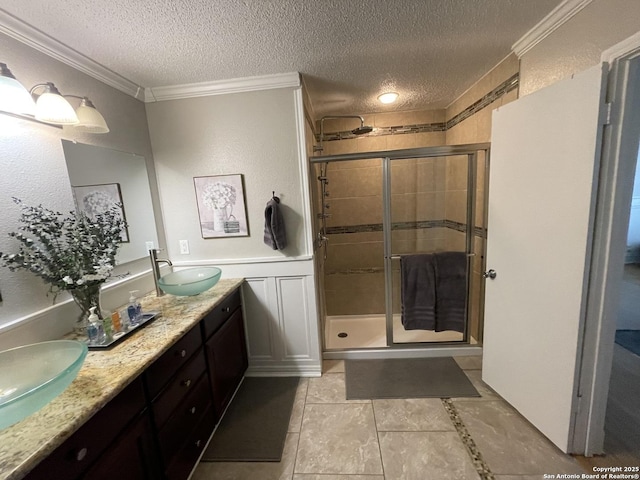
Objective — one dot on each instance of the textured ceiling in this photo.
(349, 51)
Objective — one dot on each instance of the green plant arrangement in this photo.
(71, 253)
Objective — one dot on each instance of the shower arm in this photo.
(319, 148)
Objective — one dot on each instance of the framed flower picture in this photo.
(221, 206)
(95, 199)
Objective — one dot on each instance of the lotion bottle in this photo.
(134, 308)
(95, 329)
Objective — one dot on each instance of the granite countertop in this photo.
(104, 374)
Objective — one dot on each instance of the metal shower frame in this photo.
(387, 156)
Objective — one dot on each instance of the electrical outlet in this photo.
(148, 245)
(184, 247)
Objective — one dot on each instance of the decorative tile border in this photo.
(356, 271)
(377, 227)
(502, 89)
(382, 131)
(476, 457)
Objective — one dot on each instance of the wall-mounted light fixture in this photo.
(46, 104)
(51, 106)
(14, 98)
(90, 120)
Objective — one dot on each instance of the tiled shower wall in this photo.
(496, 88)
(429, 195)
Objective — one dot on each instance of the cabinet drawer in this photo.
(185, 419)
(162, 369)
(80, 450)
(178, 388)
(219, 314)
(184, 461)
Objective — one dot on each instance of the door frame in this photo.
(619, 157)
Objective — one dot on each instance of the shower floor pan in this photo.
(369, 331)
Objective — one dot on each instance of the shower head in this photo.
(362, 130)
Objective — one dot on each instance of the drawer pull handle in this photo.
(82, 453)
(226, 309)
(198, 443)
(192, 410)
(182, 353)
(186, 383)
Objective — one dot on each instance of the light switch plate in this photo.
(148, 245)
(184, 247)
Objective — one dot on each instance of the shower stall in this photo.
(373, 211)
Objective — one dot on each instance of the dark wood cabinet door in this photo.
(131, 456)
(227, 356)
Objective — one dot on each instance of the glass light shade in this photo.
(90, 119)
(14, 98)
(53, 108)
(388, 97)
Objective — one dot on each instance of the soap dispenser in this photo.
(95, 329)
(134, 310)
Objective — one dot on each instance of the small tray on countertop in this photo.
(147, 318)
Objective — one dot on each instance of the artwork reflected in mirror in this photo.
(93, 200)
(105, 175)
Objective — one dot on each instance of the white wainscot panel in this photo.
(260, 322)
(281, 316)
(282, 326)
(292, 303)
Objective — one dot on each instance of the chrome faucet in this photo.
(155, 266)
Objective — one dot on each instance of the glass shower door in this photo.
(429, 205)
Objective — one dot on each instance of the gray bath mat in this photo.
(439, 377)
(255, 425)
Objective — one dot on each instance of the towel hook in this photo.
(273, 196)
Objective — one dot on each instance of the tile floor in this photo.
(331, 438)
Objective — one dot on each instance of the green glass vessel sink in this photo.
(33, 375)
(191, 281)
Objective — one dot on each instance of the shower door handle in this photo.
(490, 274)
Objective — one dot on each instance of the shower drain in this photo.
(343, 334)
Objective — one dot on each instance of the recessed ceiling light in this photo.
(388, 97)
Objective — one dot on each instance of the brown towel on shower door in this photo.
(418, 292)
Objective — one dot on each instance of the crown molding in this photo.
(221, 87)
(25, 33)
(556, 18)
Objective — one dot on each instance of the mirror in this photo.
(100, 175)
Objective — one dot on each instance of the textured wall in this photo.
(254, 134)
(33, 166)
(579, 43)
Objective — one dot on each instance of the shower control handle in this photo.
(490, 274)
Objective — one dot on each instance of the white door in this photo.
(545, 150)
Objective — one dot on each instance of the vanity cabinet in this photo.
(181, 404)
(158, 426)
(226, 350)
(119, 435)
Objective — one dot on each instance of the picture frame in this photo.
(95, 199)
(222, 207)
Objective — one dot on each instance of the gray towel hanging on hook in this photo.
(274, 231)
